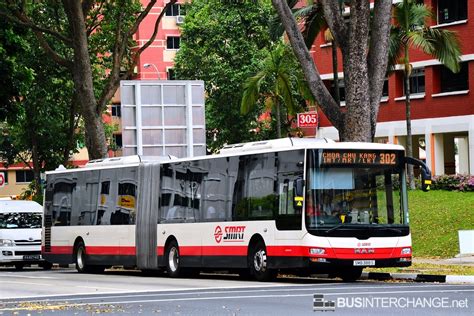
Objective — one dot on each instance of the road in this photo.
(65, 292)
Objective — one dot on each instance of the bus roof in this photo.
(281, 144)
(20, 207)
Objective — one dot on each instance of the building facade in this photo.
(442, 103)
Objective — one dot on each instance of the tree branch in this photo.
(335, 21)
(378, 54)
(114, 78)
(87, 5)
(23, 21)
(94, 24)
(315, 83)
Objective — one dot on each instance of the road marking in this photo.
(95, 287)
(15, 275)
(58, 306)
(94, 296)
(17, 282)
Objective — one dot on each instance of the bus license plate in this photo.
(364, 262)
(31, 257)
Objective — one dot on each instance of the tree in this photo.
(278, 74)
(412, 31)
(39, 124)
(221, 43)
(73, 26)
(364, 60)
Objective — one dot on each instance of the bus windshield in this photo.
(354, 190)
(20, 220)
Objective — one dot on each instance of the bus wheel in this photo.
(351, 274)
(19, 266)
(258, 263)
(81, 265)
(172, 259)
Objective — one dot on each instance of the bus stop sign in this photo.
(308, 119)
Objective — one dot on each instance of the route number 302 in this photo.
(387, 159)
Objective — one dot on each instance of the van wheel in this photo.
(351, 274)
(46, 265)
(172, 259)
(19, 266)
(258, 263)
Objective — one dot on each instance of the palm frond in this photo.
(251, 92)
(284, 88)
(395, 48)
(313, 24)
(446, 47)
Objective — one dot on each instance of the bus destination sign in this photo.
(365, 157)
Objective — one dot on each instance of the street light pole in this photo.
(146, 66)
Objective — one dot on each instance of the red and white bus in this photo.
(303, 205)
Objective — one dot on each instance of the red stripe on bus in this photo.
(60, 250)
(113, 251)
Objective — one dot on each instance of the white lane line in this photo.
(96, 287)
(15, 275)
(227, 297)
(168, 290)
(229, 290)
(30, 283)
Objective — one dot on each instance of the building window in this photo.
(118, 140)
(385, 88)
(342, 91)
(5, 176)
(175, 10)
(417, 81)
(454, 81)
(170, 74)
(116, 111)
(172, 42)
(24, 176)
(451, 11)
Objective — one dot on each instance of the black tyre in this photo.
(19, 266)
(81, 261)
(173, 267)
(46, 265)
(258, 263)
(350, 274)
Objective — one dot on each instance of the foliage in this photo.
(93, 42)
(456, 182)
(436, 217)
(221, 43)
(278, 79)
(31, 193)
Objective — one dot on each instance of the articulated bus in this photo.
(303, 205)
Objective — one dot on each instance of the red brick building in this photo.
(442, 106)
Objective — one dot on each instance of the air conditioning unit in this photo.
(179, 19)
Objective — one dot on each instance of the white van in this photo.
(20, 234)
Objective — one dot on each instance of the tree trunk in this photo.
(337, 95)
(83, 82)
(278, 115)
(409, 149)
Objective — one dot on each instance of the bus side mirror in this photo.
(298, 191)
(425, 172)
(425, 179)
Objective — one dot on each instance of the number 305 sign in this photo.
(308, 119)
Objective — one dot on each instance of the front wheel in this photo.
(172, 259)
(258, 263)
(350, 274)
(46, 265)
(19, 266)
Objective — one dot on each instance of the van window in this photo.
(20, 220)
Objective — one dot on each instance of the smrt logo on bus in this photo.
(230, 234)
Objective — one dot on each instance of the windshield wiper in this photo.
(334, 228)
(391, 229)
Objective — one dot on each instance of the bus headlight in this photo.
(317, 251)
(406, 251)
(7, 243)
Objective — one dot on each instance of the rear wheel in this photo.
(258, 263)
(172, 259)
(350, 274)
(19, 266)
